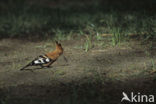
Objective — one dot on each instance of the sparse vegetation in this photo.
(116, 38)
(88, 43)
(110, 47)
(33, 19)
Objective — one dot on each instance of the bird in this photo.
(125, 97)
(47, 59)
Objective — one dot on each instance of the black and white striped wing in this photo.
(41, 60)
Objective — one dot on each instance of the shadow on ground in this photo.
(74, 92)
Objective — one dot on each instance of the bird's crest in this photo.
(59, 46)
(57, 43)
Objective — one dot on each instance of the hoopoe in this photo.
(47, 59)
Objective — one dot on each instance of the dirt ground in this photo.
(98, 76)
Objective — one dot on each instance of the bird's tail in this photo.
(26, 66)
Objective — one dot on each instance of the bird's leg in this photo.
(47, 65)
(41, 66)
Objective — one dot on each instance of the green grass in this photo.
(25, 19)
(116, 38)
(88, 44)
(98, 36)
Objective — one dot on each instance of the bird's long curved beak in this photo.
(65, 58)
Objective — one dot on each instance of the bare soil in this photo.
(98, 76)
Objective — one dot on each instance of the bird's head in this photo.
(59, 47)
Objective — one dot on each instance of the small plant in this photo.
(116, 36)
(88, 43)
(59, 34)
(70, 35)
(81, 32)
(98, 36)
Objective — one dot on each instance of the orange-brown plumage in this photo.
(56, 53)
(47, 59)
